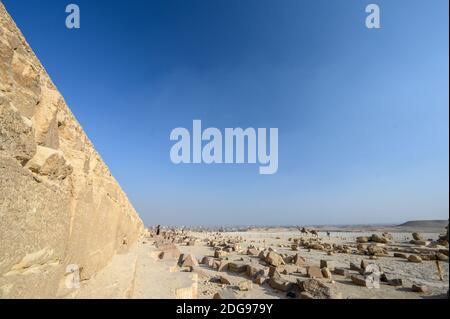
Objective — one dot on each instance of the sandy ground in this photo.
(422, 273)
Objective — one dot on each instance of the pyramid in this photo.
(60, 207)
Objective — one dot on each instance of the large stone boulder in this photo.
(417, 236)
(274, 259)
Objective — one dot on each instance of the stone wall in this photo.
(59, 203)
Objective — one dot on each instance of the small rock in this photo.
(364, 264)
(223, 265)
(414, 259)
(299, 260)
(417, 236)
(419, 242)
(245, 285)
(441, 257)
(314, 272)
(355, 267)
(419, 288)
(305, 295)
(225, 294)
(379, 239)
(362, 239)
(237, 267)
(326, 273)
(280, 284)
(327, 264)
(397, 282)
(314, 289)
(400, 255)
(341, 271)
(274, 259)
(359, 280)
(225, 280)
(261, 280)
(317, 247)
(188, 261)
(209, 261)
(220, 254)
(291, 294)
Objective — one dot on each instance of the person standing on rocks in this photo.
(158, 230)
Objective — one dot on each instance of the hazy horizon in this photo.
(362, 114)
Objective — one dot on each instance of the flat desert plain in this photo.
(357, 262)
(399, 271)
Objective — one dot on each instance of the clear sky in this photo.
(363, 115)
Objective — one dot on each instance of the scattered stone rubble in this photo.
(264, 265)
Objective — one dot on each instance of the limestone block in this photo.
(49, 162)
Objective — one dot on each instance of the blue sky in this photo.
(362, 114)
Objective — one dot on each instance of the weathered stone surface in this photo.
(225, 294)
(441, 257)
(317, 247)
(223, 265)
(364, 264)
(237, 267)
(396, 282)
(168, 251)
(220, 253)
(314, 272)
(326, 273)
(327, 264)
(274, 259)
(16, 133)
(209, 261)
(419, 242)
(298, 260)
(375, 250)
(417, 236)
(245, 285)
(49, 163)
(60, 205)
(414, 259)
(362, 239)
(188, 261)
(281, 284)
(400, 255)
(355, 267)
(254, 270)
(260, 280)
(379, 239)
(419, 288)
(224, 279)
(342, 272)
(359, 280)
(314, 289)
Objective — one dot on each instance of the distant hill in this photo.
(425, 223)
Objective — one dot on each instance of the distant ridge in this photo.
(425, 223)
